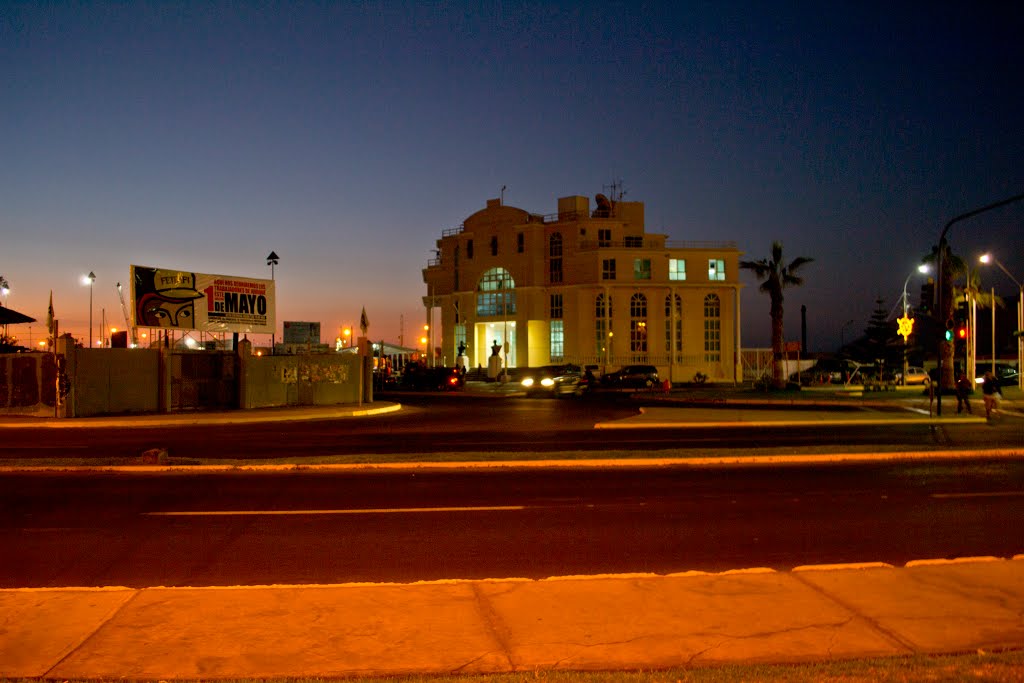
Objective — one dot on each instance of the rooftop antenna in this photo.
(615, 190)
(502, 200)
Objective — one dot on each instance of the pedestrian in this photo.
(990, 394)
(963, 390)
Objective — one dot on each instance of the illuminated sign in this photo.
(906, 327)
(198, 301)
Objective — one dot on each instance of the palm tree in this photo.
(953, 268)
(972, 292)
(776, 276)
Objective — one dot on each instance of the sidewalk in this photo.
(576, 623)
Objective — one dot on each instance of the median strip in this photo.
(367, 511)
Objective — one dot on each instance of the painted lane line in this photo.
(986, 494)
(368, 511)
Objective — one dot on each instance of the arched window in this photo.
(674, 324)
(496, 295)
(555, 257)
(638, 323)
(712, 329)
(602, 323)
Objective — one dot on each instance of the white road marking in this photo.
(367, 511)
(986, 494)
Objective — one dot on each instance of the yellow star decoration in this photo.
(906, 327)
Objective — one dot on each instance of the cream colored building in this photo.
(586, 286)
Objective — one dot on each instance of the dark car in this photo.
(1006, 375)
(418, 377)
(551, 380)
(636, 376)
(826, 371)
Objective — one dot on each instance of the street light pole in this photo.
(986, 258)
(920, 269)
(272, 259)
(91, 277)
(940, 276)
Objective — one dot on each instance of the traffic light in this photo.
(949, 330)
(961, 332)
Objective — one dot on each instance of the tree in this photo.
(953, 267)
(879, 336)
(776, 276)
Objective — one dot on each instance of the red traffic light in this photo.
(961, 332)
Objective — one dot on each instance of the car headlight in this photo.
(528, 382)
(547, 382)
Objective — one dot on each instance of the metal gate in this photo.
(204, 380)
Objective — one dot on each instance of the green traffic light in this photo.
(949, 335)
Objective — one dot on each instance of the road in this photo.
(467, 424)
(91, 529)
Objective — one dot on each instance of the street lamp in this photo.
(940, 285)
(906, 322)
(272, 259)
(989, 258)
(89, 280)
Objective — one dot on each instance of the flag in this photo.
(363, 322)
(49, 315)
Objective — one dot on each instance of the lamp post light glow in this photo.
(989, 258)
(89, 280)
(906, 323)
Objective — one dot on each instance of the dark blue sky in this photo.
(347, 136)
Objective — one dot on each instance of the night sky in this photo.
(347, 136)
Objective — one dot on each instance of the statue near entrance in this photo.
(494, 362)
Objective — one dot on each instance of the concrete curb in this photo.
(619, 622)
(589, 463)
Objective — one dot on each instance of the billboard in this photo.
(181, 300)
(301, 332)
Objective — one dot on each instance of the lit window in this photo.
(716, 270)
(676, 269)
(557, 340)
(496, 294)
(641, 269)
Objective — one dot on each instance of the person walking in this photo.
(991, 394)
(963, 391)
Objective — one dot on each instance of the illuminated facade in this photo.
(583, 286)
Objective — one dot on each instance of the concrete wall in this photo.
(28, 384)
(118, 381)
(274, 381)
(112, 381)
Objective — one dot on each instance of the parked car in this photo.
(1007, 375)
(418, 377)
(826, 371)
(551, 380)
(915, 375)
(632, 376)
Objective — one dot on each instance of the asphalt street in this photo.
(329, 526)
